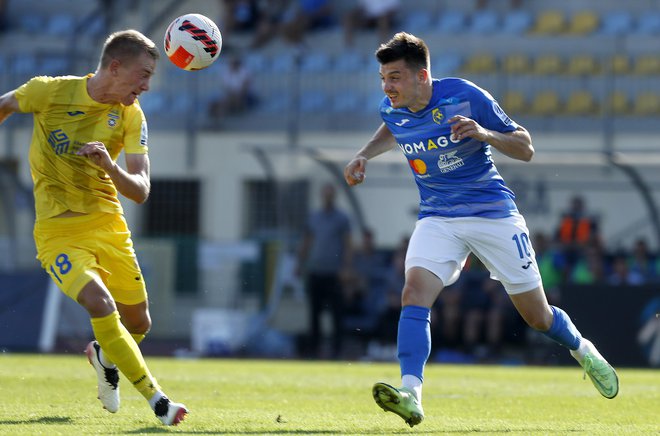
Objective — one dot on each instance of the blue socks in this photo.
(414, 341)
(563, 331)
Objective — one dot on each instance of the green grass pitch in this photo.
(56, 395)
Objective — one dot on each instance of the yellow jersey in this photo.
(65, 118)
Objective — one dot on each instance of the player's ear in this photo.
(423, 75)
(113, 66)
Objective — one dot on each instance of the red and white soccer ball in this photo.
(192, 42)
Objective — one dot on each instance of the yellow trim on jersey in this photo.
(65, 118)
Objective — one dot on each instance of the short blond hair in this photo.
(127, 45)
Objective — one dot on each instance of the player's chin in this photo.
(130, 99)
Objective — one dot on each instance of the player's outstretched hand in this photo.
(354, 170)
(98, 154)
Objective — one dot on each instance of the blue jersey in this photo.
(455, 178)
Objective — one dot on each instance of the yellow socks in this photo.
(119, 347)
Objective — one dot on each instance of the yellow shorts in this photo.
(76, 250)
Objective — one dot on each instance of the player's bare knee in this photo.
(539, 322)
(413, 295)
(137, 325)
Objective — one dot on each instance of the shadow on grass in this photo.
(42, 420)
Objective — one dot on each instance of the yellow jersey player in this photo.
(81, 125)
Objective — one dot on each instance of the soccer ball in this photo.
(192, 42)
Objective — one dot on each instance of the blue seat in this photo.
(54, 66)
(153, 102)
(313, 100)
(445, 65)
(346, 102)
(255, 62)
(282, 63)
(616, 23)
(451, 22)
(315, 62)
(349, 62)
(61, 24)
(648, 24)
(25, 64)
(483, 22)
(417, 21)
(516, 22)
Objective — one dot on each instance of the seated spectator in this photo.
(589, 266)
(485, 306)
(270, 14)
(304, 16)
(643, 262)
(621, 275)
(552, 265)
(364, 284)
(237, 94)
(237, 16)
(371, 14)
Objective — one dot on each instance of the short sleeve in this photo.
(137, 133)
(34, 96)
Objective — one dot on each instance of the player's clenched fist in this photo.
(354, 170)
(98, 154)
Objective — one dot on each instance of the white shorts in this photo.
(442, 245)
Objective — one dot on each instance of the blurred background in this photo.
(242, 152)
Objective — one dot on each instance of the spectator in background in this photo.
(642, 261)
(484, 304)
(371, 14)
(588, 267)
(384, 345)
(306, 15)
(271, 14)
(621, 274)
(324, 256)
(552, 265)
(237, 94)
(365, 277)
(576, 229)
(4, 26)
(237, 16)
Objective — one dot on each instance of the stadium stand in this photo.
(550, 22)
(583, 23)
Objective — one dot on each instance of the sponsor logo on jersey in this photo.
(418, 166)
(402, 122)
(449, 162)
(428, 144)
(438, 116)
(58, 141)
(113, 118)
(74, 113)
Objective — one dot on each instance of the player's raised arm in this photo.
(382, 141)
(8, 105)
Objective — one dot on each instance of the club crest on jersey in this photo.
(113, 118)
(438, 116)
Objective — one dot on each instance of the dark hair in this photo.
(127, 45)
(411, 49)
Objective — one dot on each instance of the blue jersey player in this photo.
(445, 129)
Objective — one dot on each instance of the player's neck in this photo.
(423, 100)
(99, 89)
